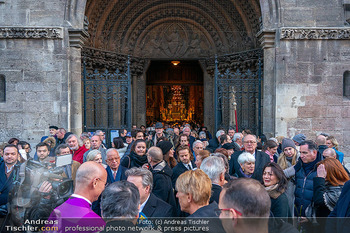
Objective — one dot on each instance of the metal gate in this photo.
(107, 100)
(238, 98)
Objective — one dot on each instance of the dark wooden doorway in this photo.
(174, 93)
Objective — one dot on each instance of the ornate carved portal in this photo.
(152, 30)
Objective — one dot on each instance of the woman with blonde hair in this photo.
(287, 160)
(333, 143)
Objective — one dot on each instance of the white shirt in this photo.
(143, 204)
(81, 197)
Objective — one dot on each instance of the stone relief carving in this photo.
(31, 33)
(174, 40)
(315, 33)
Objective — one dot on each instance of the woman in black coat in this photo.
(275, 183)
(137, 157)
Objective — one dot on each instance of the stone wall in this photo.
(34, 59)
(312, 52)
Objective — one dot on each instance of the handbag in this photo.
(310, 213)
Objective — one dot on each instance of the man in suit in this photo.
(261, 158)
(91, 178)
(96, 144)
(214, 167)
(185, 162)
(115, 172)
(7, 167)
(151, 205)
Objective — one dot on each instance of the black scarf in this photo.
(138, 160)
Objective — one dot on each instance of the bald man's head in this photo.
(329, 153)
(90, 180)
(321, 140)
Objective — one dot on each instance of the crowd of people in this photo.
(184, 171)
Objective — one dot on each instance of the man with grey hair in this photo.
(329, 153)
(214, 143)
(151, 205)
(96, 144)
(237, 141)
(102, 136)
(250, 144)
(77, 147)
(198, 145)
(120, 205)
(214, 167)
(244, 206)
(162, 173)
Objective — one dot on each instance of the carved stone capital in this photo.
(341, 33)
(77, 37)
(266, 38)
(31, 32)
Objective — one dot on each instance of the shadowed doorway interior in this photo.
(174, 92)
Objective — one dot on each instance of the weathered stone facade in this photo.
(306, 53)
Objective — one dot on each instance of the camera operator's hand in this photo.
(45, 187)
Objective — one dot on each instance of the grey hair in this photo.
(147, 177)
(246, 157)
(92, 154)
(256, 140)
(218, 134)
(196, 142)
(274, 139)
(213, 166)
(97, 132)
(80, 142)
(202, 133)
(237, 136)
(224, 158)
(120, 199)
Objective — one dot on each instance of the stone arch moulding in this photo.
(75, 11)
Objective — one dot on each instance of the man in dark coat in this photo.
(304, 176)
(214, 142)
(115, 172)
(7, 171)
(162, 173)
(185, 163)
(214, 167)
(261, 158)
(151, 206)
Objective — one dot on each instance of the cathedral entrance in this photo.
(174, 92)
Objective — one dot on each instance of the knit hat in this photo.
(287, 142)
(299, 138)
(165, 146)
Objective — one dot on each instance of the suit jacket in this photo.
(103, 154)
(178, 170)
(120, 174)
(157, 208)
(80, 210)
(261, 159)
(215, 193)
(5, 183)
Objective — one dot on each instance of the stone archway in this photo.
(152, 29)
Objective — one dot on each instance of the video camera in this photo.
(25, 200)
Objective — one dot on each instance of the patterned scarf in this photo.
(331, 196)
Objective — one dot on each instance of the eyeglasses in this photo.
(219, 211)
(249, 142)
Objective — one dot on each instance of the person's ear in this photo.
(189, 198)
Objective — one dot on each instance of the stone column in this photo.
(75, 112)
(209, 119)
(267, 40)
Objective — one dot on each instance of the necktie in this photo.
(114, 175)
(189, 166)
